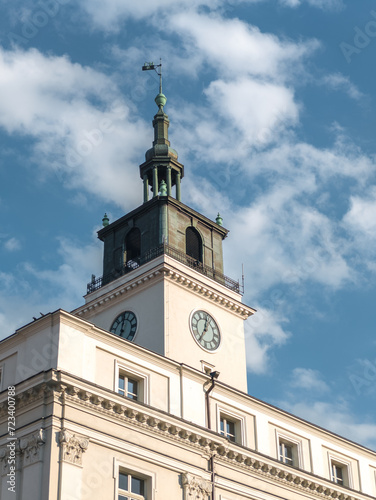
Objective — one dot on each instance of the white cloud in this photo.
(337, 418)
(12, 244)
(236, 48)
(257, 109)
(84, 131)
(321, 4)
(309, 380)
(361, 217)
(24, 294)
(110, 15)
(337, 81)
(263, 332)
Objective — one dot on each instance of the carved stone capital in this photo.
(73, 447)
(195, 487)
(31, 447)
(10, 455)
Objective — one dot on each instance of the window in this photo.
(130, 387)
(131, 487)
(1, 378)
(228, 428)
(337, 473)
(286, 453)
(289, 450)
(130, 383)
(133, 248)
(193, 244)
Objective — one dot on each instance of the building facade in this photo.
(141, 393)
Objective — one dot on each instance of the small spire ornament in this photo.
(105, 220)
(163, 189)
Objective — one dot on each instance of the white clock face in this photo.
(125, 325)
(205, 330)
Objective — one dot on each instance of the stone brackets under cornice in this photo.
(148, 419)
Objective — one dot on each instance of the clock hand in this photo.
(205, 329)
(122, 327)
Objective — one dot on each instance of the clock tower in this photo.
(163, 285)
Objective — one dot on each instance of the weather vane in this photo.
(149, 66)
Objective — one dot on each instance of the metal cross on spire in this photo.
(149, 66)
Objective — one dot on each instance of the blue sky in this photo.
(272, 109)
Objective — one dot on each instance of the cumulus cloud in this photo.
(83, 130)
(337, 81)
(110, 15)
(234, 47)
(360, 219)
(337, 418)
(263, 332)
(22, 291)
(308, 379)
(321, 4)
(12, 244)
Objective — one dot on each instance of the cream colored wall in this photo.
(147, 302)
(34, 350)
(92, 355)
(229, 359)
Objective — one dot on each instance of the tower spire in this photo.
(161, 163)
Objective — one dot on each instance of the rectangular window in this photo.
(131, 487)
(286, 453)
(228, 428)
(129, 387)
(338, 472)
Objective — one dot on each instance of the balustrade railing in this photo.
(152, 254)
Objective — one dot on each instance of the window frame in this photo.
(296, 449)
(125, 467)
(140, 377)
(239, 423)
(1, 377)
(129, 493)
(227, 432)
(337, 461)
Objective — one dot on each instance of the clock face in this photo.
(205, 330)
(125, 325)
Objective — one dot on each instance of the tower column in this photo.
(146, 188)
(155, 182)
(178, 192)
(168, 181)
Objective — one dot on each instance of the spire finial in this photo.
(161, 99)
(105, 220)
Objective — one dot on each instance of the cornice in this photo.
(189, 435)
(168, 271)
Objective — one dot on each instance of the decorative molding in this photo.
(28, 451)
(5, 456)
(166, 270)
(73, 447)
(29, 396)
(195, 487)
(31, 447)
(141, 416)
